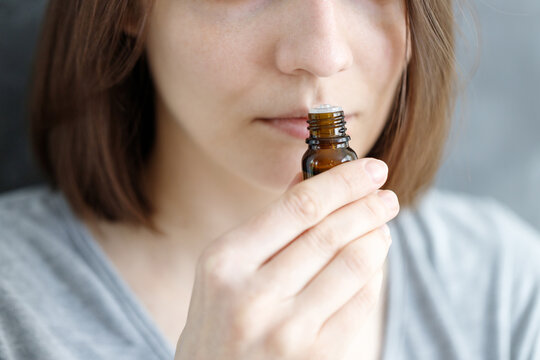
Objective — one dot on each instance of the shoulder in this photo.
(475, 263)
(29, 213)
(58, 298)
(34, 232)
(27, 204)
(469, 230)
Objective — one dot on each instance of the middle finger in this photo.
(294, 266)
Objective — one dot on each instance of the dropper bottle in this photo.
(328, 144)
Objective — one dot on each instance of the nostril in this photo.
(314, 40)
(320, 58)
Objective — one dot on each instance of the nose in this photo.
(313, 39)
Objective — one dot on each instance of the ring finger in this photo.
(291, 269)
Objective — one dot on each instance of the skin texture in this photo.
(218, 65)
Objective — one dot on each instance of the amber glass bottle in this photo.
(328, 144)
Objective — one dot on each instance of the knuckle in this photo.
(254, 301)
(374, 208)
(242, 326)
(323, 239)
(247, 314)
(369, 295)
(368, 298)
(215, 265)
(304, 204)
(349, 181)
(355, 259)
(282, 341)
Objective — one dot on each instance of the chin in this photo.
(275, 176)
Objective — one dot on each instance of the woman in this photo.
(178, 225)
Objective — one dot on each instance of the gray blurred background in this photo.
(494, 148)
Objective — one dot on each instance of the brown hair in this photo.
(92, 110)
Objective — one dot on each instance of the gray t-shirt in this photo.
(464, 283)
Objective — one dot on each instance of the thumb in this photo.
(297, 178)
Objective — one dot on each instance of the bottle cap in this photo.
(325, 108)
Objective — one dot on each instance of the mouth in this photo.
(294, 126)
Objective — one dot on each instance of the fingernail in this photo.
(386, 230)
(377, 170)
(389, 199)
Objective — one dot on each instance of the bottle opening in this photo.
(325, 108)
(327, 125)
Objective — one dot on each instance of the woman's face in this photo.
(219, 66)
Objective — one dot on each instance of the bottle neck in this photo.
(327, 130)
(327, 145)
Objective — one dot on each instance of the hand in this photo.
(297, 280)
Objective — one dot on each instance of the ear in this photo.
(132, 17)
(409, 48)
(130, 29)
(408, 34)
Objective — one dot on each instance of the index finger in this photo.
(304, 205)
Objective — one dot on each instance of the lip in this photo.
(294, 126)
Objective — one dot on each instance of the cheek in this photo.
(217, 66)
(377, 33)
(383, 57)
(380, 57)
(206, 65)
